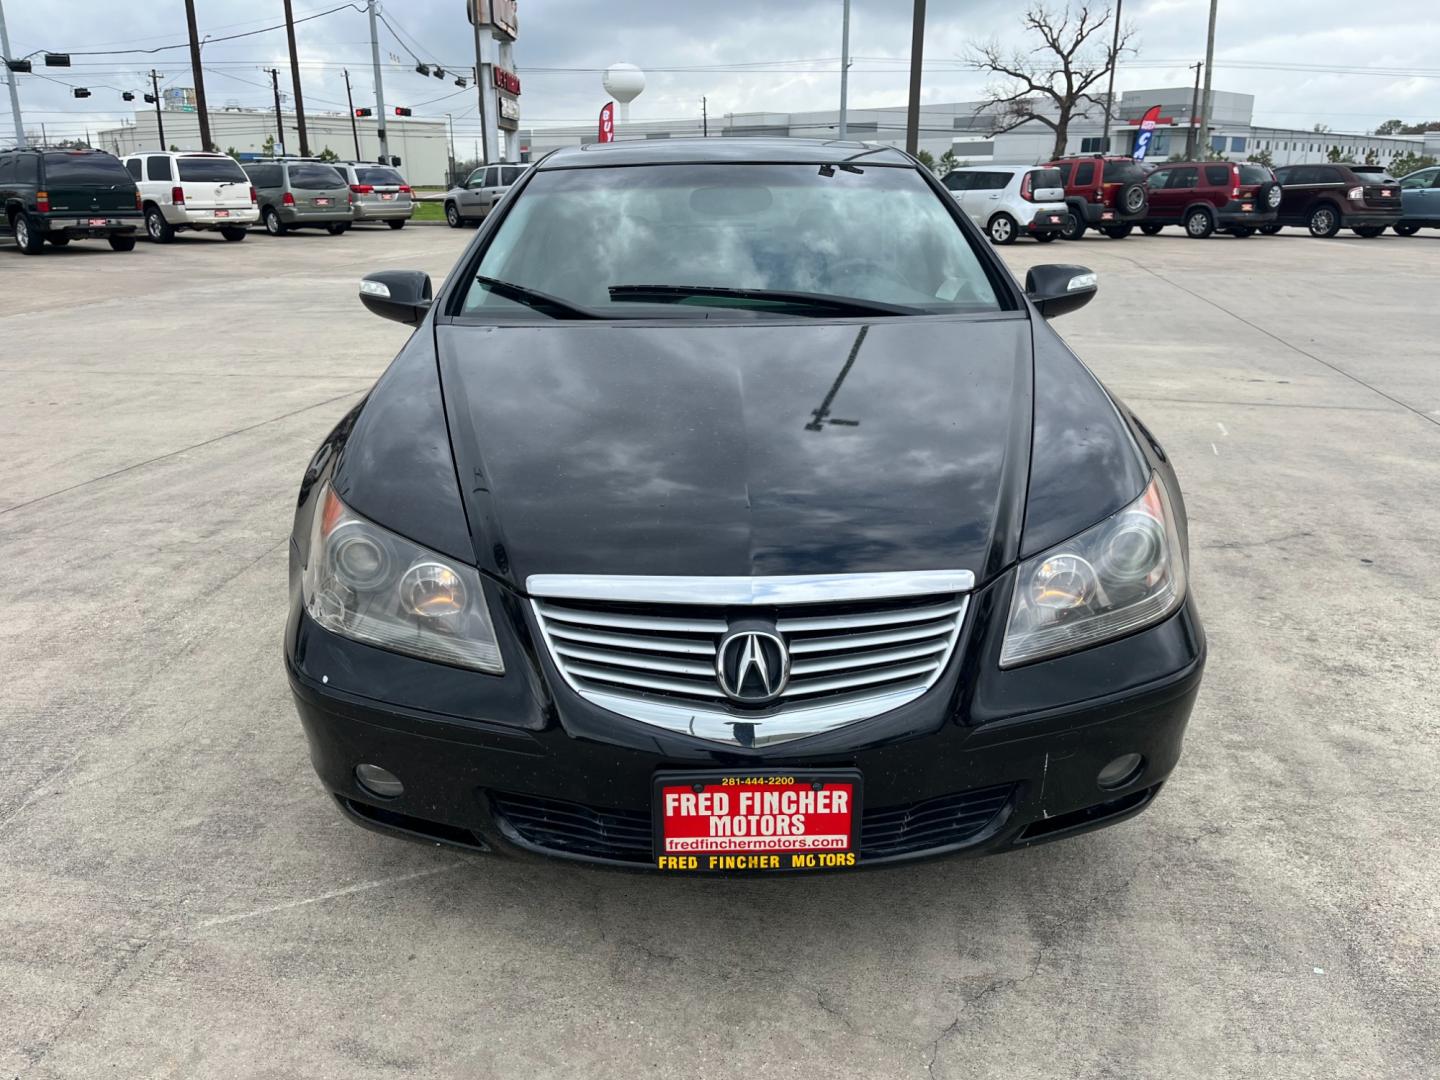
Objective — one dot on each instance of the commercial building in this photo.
(422, 145)
(969, 129)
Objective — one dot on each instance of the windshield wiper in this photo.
(537, 301)
(838, 305)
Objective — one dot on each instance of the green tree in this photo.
(232, 152)
(1408, 162)
(268, 146)
(328, 155)
(927, 159)
(1339, 157)
(1390, 127)
(1262, 157)
(948, 163)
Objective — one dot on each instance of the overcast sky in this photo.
(1401, 36)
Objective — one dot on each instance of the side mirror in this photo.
(402, 295)
(1055, 289)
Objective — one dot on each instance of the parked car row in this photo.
(1068, 196)
(56, 196)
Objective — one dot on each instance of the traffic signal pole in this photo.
(159, 122)
(379, 87)
(10, 78)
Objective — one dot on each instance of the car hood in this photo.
(755, 449)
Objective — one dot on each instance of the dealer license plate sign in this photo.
(764, 821)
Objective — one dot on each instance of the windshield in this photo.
(315, 177)
(214, 170)
(867, 233)
(377, 176)
(100, 169)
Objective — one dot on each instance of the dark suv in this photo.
(1327, 198)
(1105, 193)
(1210, 196)
(64, 195)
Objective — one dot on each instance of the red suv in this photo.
(1105, 193)
(1211, 196)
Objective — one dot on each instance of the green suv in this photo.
(64, 195)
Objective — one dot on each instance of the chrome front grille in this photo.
(655, 660)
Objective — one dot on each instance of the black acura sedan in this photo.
(731, 508)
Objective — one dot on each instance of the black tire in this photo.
(156, 227)
(1132, 199)
(1242, 232)
(1001, 229)
(58, 240)
(1046, 237)
(396, 223)
(29, 239)
(1324, 221)
(1118, 232)
(233, 232)
(1151, 230)
(1269, 196)
(452, 216)
(1271, 229)
(1198, 223)
(1369, 232)
(1076, 230)
(273, 225)
(335, 228)
(122, 243)
(1406, 229)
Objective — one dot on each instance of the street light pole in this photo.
(1204, 147)
(917, 58)
(10, 78)
(844, 69)
(1110, 91)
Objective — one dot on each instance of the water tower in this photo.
(624, 82)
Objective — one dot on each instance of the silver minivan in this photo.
(471, 201)
(296, 193)
(378, 193)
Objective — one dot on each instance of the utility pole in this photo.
(1194, 114)
(159, 123)
(295, 78)
(279, 122)
(1110, 91)
(10, 78)
(1204, 147)
(917, 58)
(844, 67)
(705, 118)
(198, 77)
(379, 87)
(354, 129)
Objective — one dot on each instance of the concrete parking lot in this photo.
(178, 898)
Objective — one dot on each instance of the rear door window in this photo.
(27, 168)
(99, 170)
(492, 176)
(7, 170)
(960, 181)
(211, 170)
(158, 168)
(1186, 177)
(1085, 174)
(133, 167)
(1217, 175)
(308, 177)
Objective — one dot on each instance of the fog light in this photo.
(1118, 773)
(378, 781)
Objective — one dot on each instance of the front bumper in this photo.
(987, 761)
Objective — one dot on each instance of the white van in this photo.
(1009, 200)
(193, 190)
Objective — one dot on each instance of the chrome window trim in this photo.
(783, 589)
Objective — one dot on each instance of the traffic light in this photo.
(126, 95)
(80, 91)
(364, 112)
(439, 72)
(19, 65)
(422, 69)
(149, 99)
(460, 83)
(57, 59)
(401, 110)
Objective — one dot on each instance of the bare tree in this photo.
(1050, 83)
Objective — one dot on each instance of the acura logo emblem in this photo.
(752, 666)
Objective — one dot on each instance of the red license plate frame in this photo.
(763, 820)
(324, 201)
(98, 222)
(222, 213)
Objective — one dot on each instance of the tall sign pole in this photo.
(199, 77)
(917, 58)
(10, 78)
(379, 87)
(295, 78)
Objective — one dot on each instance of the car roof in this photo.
(728, 149)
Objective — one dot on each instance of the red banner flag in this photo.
(607, 122)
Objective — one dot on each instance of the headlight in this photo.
(365, 583)
(1113, 579)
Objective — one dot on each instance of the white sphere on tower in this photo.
(624, 82)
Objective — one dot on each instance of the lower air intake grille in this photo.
(625, 835)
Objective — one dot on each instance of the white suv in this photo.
(181, 190)
(1006, 200)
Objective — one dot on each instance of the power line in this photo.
(208, 40)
